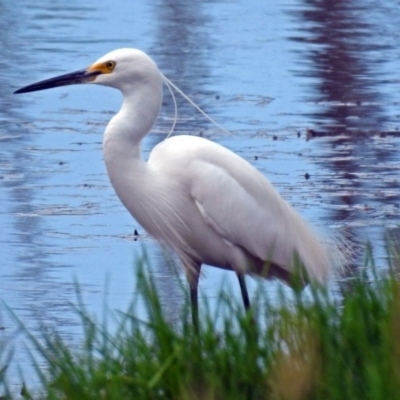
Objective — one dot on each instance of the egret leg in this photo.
(195, 307)
(243, 289)
(192, 275)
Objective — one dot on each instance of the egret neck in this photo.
(141, 105)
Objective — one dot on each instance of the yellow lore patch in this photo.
(105, 67)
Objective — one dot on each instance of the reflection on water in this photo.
(342, 51)
(342, 44)
(267, 72)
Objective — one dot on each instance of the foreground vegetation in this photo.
(314, 346)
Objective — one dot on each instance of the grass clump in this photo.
(315, 346)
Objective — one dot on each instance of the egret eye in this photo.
(110, 65)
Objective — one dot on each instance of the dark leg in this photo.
(192, 275)
(195, 307)
(243, 289)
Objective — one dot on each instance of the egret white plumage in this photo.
(204, 201)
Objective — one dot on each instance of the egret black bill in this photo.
(72, 78)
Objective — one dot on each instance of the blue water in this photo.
(266, 71)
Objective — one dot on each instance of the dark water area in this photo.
(348, 47)
(309, 90)
(350, 51)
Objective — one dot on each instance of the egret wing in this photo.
(240, 204)
(246, 212)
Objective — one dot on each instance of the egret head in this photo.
(122, 69)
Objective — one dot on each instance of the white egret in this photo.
(207, 203)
